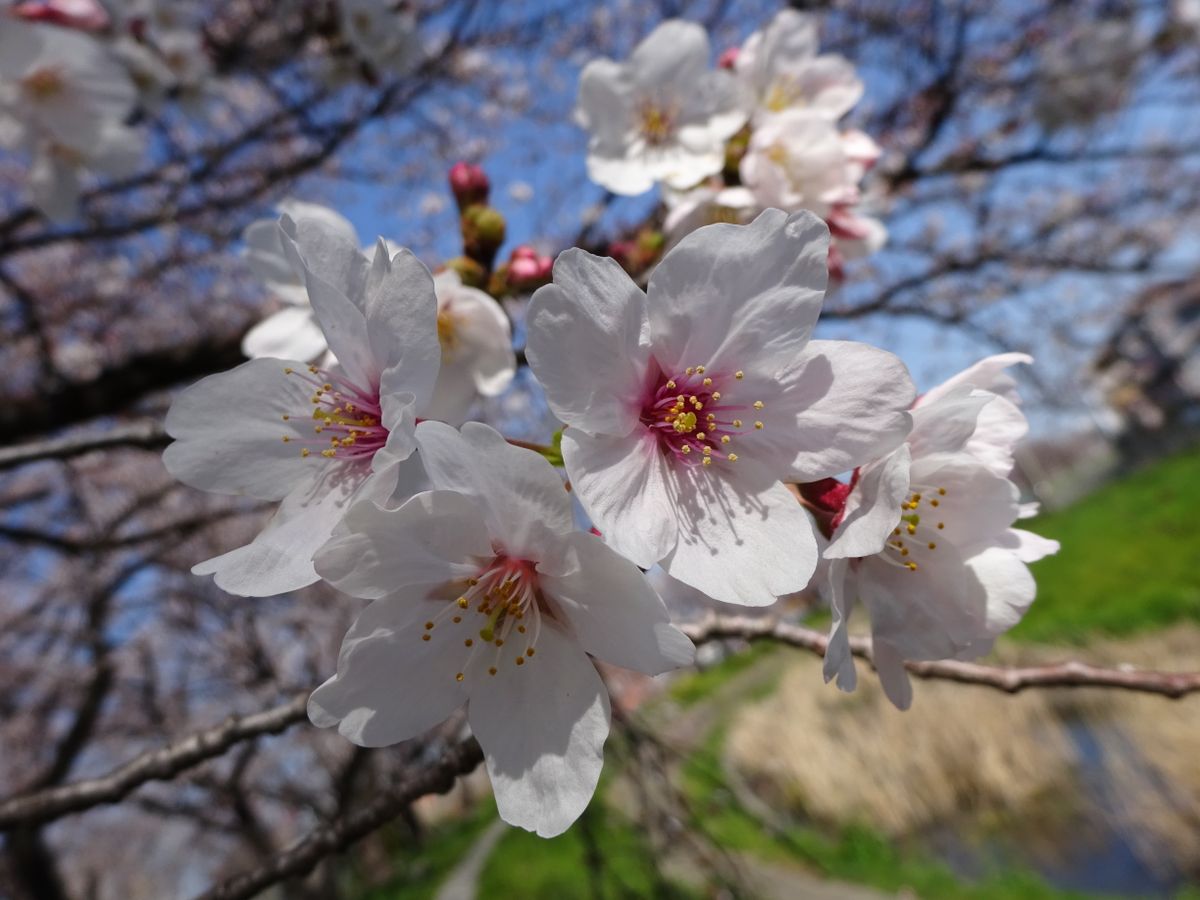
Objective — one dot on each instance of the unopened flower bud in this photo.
(728, 58)
(526, 273)
(483, 231)
(469, 183)
(523, 251)
(471, 273)
(85, 15)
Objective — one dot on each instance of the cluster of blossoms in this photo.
(758, 132)
(74, 75)
(697, 411)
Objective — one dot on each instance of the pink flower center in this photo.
(346, 418)
(697, 415)
(500, 607)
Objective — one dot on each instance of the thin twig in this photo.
(146, 434)
(1011, 680)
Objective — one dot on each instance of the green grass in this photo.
(855, 854)
(600, 857)
(421, 870)
(1130, 558)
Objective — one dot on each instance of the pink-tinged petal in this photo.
(523, 499)
(613, 612)
(622, 484)
(744, 296)
(889, 664)
(542, 727)
(946, 424)
(280, 558)
(1000, 427)
(340, 319)
(842, 405)
(839, 661)
(987, 375)
(229, 431)
(978, 505)
(1006, 586)
(743, 538)
(290, 333)
(873, 508)
(401, 321)
(1027, 546)
(431, 540)
(390, 684)
(588, 343)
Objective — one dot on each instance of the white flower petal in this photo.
(889, 663)
(290, 333)
(523, 498)
(987, 375)
(229, 431)
(434, 538)
(839, 661)
(280, 558)
(542, 727)
(844, 404)
(1007, 587)
(1027, 546)
(742, 539)
(743, 295)
(615, 615)
(872, 508)
(946, 424)
(621, 482)
(391, 685)
(588, 343)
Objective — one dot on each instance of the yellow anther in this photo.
(934, 503)
(428, 626)
(469, 642)
(425, 637)
(707, 382)
(462, 603)
(286, 417)
(941, 525)
(685, 423)
(671, 385)
(737, 423)
(286, 439)
(456, 619)
(686, 448)
(529, 652)
(895, 531)
(492, 670)
(912, 566)
(520, 660)
(328, 454)
(758, 426)
(911, 529)
(725, 439)
(733, 457)
(716, 395)
(904, 552)
(758, 404)
(739, 374)
(459, 677)
(708, 460)
(942, 491)
(700, 435)
(699, 370)
(707, 451)
(313, 369)
(327, 386)
(710, 417)
(688, 371)
(304, 453)
(932, 545)
(521, 629)
(916, 498)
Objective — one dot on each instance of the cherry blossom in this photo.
(292, 332)
(381, 35)
(663, 115)
(315, 439)
(923, 536)
(783, 72)
(687, 405)
(65, 99)
(484, 594)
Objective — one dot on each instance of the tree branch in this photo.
(304, 856)
(148, 434)
(157, 765)
(1011, 680)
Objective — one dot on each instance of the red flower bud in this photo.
(469, 183)
(728, 58)
(84, 15)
